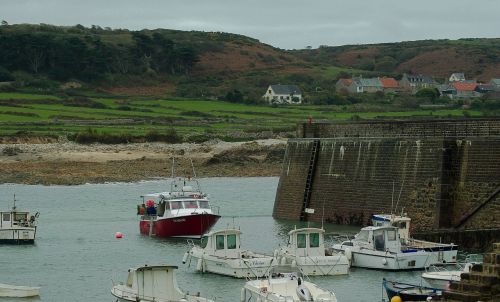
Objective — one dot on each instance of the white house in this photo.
(457, 77)
(283, 94)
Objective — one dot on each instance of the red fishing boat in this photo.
(183, 212)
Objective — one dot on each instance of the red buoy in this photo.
(118, 235)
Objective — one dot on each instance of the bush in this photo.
(170, 136)
(5, 75)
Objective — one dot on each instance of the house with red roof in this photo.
(342, 85)
(389, 84)
(465, 90)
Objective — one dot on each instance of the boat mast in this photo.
(14, 207)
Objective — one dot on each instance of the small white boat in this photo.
(440, 276)
(17, 227)
(439, 252)
(152, 283)
(306, 251)
(380, 248)
(284, 285)
(220, 253)
(15, 291)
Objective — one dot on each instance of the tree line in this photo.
(88, 57)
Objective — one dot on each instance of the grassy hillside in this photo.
(477, 58)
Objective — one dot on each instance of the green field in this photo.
(50, 115)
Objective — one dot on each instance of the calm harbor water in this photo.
(76, 256)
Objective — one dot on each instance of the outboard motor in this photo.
(303, 292)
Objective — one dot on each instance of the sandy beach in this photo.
(68, 163)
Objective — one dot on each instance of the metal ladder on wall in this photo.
(309, 181)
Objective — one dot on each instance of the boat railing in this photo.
(334, 238)
(443, 267)
(215, 209)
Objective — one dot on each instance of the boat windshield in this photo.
(204, 204)
(175, 205)
(363, 235)
(190, 204)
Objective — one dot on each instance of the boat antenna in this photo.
(14, 207)
(392, 197)
(173, 167)
(194, 175)
(399, 197)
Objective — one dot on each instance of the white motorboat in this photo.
(17, 227)
(220, 253)
(284, 285)
(16, 291)
(152, 283)
(440, 276)
(380, 248)
(439, 252)
(306, 251)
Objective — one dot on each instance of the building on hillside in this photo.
(389, 84)
(446, 90)
(370, 85)
(457, 77)
(283, 94)
(495, 83)
(465, 90)
(415, 82)
(484, 88)
(342, 85)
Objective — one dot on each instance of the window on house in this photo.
(314, 240)
(301, 241)
(231, 242)
(219, 239)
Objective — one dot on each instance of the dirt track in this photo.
(70, 164)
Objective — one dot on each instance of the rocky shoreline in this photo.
(68, 163)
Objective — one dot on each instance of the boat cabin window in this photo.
(203, 242)
(314, 240)
(231, 241)
(6, 217)
(378, 236)
(219, 242)
(175, 205)
(203, 204)
(190, 205)
(391, 235)
(301, 241)
(20, 216)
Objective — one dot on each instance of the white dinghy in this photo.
(380, 248)
(152, 283)
(15, 291)
(440, 276)
(306, 251)
(284, 285)
(220, 253)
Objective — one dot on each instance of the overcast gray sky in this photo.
(282, 23)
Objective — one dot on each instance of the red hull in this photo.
(194, 225)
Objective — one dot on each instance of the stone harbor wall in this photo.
(443, 173)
